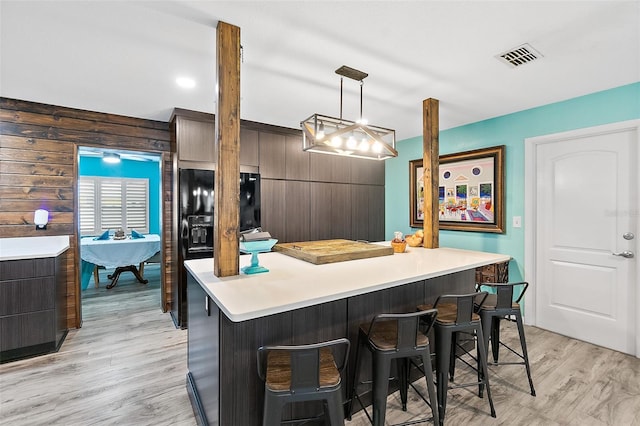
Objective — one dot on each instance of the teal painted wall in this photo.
(609, 106)
(92, 166)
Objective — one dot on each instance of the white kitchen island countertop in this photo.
(32, 247)
(292, 283)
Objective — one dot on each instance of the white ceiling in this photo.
(124, 57)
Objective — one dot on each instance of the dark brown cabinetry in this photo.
(304, 196)
(367, 172)
(249, 147)
(303, 211)
(203, 357)
(325, 196)
(297, 203)
(272, 207)
(367, 212)
(195, 136)
(331, 168)
(296, 160)
(320, 211)
(330, 211)
(272, 155)
(32, 307)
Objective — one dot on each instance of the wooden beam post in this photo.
(430, 163)
(226, 216)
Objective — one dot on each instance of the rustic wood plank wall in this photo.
(38, 169)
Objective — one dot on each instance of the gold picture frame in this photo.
(470, 191)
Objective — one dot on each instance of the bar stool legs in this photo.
(500, 307)
(491, 327)
(445, 364)
(381, 368)
(274, 406)
(398, 337)
(523, 345)
(454, 319)
(272, 410)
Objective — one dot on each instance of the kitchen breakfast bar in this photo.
(297, 302)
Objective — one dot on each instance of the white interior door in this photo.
(585, 222)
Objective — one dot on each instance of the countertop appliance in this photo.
(196, 229)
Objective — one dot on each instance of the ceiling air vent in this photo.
(520, 55)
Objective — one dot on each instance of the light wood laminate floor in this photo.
(127, 366)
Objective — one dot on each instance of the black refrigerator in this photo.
(195, 239)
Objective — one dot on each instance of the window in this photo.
(112, 203)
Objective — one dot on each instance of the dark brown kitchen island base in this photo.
(223, 383)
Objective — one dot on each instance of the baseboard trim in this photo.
(196, 404)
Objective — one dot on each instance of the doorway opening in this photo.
(120, 226)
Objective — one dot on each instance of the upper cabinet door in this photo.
(248, 147)
(297, 204)
(329, 168)
(195, 140)
(272, 155)
(296, 160)
(368, 172)
(273, 208)
(367, 212)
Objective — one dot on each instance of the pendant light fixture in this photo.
(337, 136)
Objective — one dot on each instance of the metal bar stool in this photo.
(501, 306)
(456, 317)
(303, 373)
(397, 337)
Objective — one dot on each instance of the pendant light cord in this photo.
(341, 85)
(361, 84)
(341, 97)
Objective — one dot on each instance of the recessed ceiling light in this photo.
(186, 82)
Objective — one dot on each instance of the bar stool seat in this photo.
(501, 306)
(491, 302)
(303, 373)
(453, 318)
(398, 337)
(448, 313)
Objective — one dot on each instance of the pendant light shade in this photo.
(337, 136)
(330, 135)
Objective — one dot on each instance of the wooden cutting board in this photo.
(330, 251)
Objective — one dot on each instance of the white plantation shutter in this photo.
(112, 203)
(87, 203)
(136, 200)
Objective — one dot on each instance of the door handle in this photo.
(627, 254)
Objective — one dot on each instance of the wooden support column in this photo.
(430, 162)
(226, 216)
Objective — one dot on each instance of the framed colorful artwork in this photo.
(470, 191)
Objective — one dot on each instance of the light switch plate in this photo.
(517, 222)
